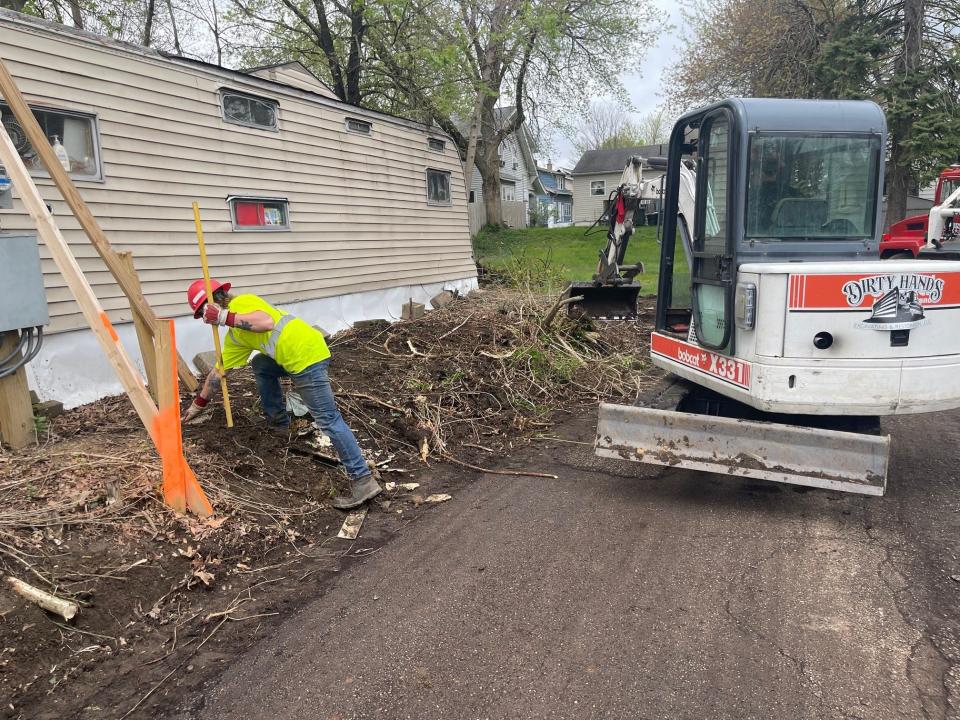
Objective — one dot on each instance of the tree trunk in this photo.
(76, 14)
(354, 57)
(173, 26)
(899, 174)
(148, 24)
(471, 158)
(488, 163)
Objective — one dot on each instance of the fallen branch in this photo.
(64, 608)
(520, 473)
(371, 398)
(415, 351)
(556, 308)
(451, 332)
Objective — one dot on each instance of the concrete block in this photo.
(367, 324)
(412, 310)
(48, 409)
(205, 361)
(443, 298)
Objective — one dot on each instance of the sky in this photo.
(643, 85)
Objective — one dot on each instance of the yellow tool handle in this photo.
(216, 331)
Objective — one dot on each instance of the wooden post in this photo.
(16, 410)
(145, 334)
(41, 145)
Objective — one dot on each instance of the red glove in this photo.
(214, 315)
(195, 408)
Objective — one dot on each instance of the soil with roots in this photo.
(166, 601)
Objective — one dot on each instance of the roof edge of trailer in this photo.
(42, 25)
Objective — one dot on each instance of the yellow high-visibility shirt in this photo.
(294, 344)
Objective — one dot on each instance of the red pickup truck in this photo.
(905, 238)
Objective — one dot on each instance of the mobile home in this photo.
(334, 212)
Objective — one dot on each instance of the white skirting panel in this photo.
(72, 368)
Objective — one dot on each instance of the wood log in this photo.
(51, 603)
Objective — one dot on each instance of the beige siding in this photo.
(587, 207)
(358, 208)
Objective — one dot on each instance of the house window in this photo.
(436, 145)
(472, 196)
(508, 190)
(249, 111)
(76, 132)
(514, 166)
(438, 187)
(359, 126)
(598, 187)
(259, 213)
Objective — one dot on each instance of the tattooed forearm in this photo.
(210, 384)
(243, 325)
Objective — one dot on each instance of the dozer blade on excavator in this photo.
(604, 302)
(844, 461)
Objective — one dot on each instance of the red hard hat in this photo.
(197, 293)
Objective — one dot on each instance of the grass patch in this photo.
(550, 257)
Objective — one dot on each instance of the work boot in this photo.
(361, 490)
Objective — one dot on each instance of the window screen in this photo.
(259, 214)
(76, 132)
(438, 187)
(598, 187)
(249, 111)
(436, 145)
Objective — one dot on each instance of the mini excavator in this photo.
(784, 337)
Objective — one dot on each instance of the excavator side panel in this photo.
(843, 461)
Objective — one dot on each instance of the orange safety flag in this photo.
(181, 491)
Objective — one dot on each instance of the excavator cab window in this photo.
(811, 187)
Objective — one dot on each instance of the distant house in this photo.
(556, 202)
(519, 181)
(598, 173)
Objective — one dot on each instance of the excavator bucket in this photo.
(844, 461)
(604, 302)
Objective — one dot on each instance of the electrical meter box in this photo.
(23, 302)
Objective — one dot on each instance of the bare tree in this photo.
(602, 122)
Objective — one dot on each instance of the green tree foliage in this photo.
(903, 54)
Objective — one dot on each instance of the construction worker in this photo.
(286, 347)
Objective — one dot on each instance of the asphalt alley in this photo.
(622, 591)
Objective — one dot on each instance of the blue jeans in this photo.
(313, 384)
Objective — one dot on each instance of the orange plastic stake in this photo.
(181, 490)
